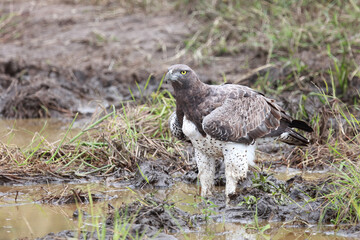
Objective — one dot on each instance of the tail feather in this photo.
(291, 137)
(300, 125)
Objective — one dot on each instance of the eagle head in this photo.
(181, 76)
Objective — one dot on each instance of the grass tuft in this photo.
(336, 136)
(117, 141)
(279, 27)
(344, 198)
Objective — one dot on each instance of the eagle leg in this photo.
(206, 175)
(237, 158)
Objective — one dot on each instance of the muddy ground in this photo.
(62, 57)
(294, 202)
(58, 57)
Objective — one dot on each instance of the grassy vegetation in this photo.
(281, 28)
(344, 199)
(119, 139)
(312, 42)
(124, 222)
(94, 225)
(7, 21)
(315, 44)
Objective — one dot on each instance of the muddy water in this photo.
(232, 231)
(33, 220)
(287, 173)
(21, 132)
(22, 214)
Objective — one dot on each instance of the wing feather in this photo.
(244, 116)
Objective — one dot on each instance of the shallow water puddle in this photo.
(22, 214)
(34, 220)
(287, 173)
(232, 231)
(20, 132)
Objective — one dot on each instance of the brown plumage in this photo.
(225, 121)
(231, 112)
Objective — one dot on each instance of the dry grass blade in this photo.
(116, 142)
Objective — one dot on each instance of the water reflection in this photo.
(22, 215)
(22, 132)
(34, 220)
(236, 231)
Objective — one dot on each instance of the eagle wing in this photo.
(244, 116)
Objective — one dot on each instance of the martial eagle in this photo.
(224, 121)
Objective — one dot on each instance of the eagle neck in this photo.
(188, 100)
(192, 95)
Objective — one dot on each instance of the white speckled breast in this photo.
(207, 145)
(215, 148)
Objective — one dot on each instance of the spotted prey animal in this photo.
(224, 121)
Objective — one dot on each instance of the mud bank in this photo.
(296, 202)
(39, 91)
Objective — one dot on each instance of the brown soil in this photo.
(60, 57)
(57, 57)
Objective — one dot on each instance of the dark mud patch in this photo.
(135, 230)
(161, 214)
(295, 201)
(148, 217)
(154, 174)
(25, 178)
(37, 91)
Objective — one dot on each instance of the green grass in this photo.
(303, 38)
(279, 192)
(315, 43)
(117, 139)
(344, 199)
(337, 146)
(280, 27)
(95, 224)
(332, 110)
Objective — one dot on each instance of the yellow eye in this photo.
(183, 72)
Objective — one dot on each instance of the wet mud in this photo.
(140, 218)
(61, 57)
(153, 175)
(40, 91)
(262, 195)
(157, 213)
(65, 60)
(282, 201)
(296, 202)
(71, 196)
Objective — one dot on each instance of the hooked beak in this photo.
(172, 77)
